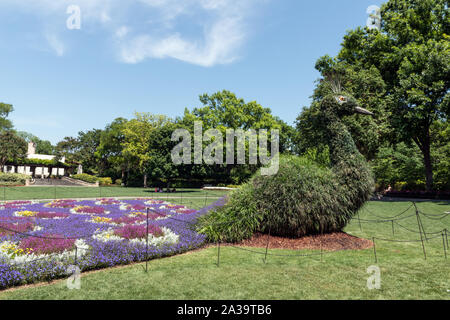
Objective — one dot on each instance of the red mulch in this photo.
(330, 242)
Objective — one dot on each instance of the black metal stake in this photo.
(419, 222)
(443, 244)
(374, 250)
(446, 239)
(420, 231)
(218, 253)
(359, 220)
(267, 246)
(146, 247)
(321, 250)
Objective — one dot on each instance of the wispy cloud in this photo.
(55, 44)
(201, 32)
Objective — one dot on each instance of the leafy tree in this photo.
(12, 147)
(412, 54)
(88, 143)
(42, 146)
(224, 110)
(5, 110)
(81, 150)
(68, 148)
(146, 146)
(109, 151)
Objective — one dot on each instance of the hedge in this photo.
(12, 179)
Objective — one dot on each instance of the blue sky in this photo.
(159, 55)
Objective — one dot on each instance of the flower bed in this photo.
(40, 240)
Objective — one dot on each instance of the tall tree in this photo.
(5, 110)
(145, 148)
(412, 53)
(224, 110)
(42, 146)
(109, 151)
(12, 147)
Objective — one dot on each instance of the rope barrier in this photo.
(393, 220)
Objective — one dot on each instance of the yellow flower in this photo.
(26, 213)
(101, 220)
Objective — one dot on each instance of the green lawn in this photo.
(52, 192)
(405, 274)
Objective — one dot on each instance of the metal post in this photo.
(359, 221)
(218, 253)
(443, 244)
(374, 250)
(420, 231)
(446, 238)
(321, 250)
(146, 248)
(419, 221)
(267, 246)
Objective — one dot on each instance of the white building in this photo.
(41, 171)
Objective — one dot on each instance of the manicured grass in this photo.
(58, 192)
(405, 274)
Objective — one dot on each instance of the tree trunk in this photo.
(145, 180)
(428, 168)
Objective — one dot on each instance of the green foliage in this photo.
(368, 88)
(42, 146)
(42, 162)
(85, 177)
(12, 179)
(109, 152)
(5, 110)
(401, 163)
(412, 54)
(105, 181)
(11, 147)
(303, 197)
(238, 220)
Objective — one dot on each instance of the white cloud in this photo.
(201, 32)
(219, 46)
(55, 44)
(122, 32)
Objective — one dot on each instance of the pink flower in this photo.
(138, 232)
(56, 244)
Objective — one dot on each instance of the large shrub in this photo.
(302, 198)
(85, 177)
(12, 179)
